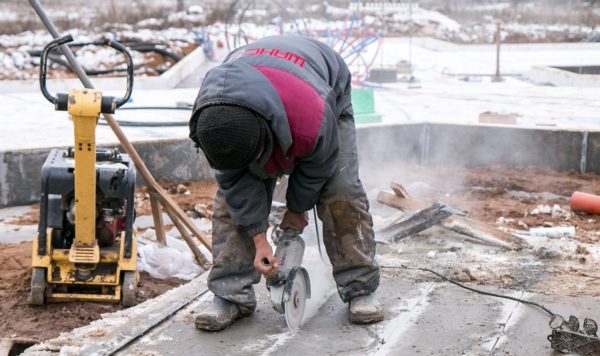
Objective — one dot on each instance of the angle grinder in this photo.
(291, 287)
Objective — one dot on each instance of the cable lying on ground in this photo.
(473, 289)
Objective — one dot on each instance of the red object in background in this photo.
(584, 202)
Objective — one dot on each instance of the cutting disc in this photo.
(294, 306)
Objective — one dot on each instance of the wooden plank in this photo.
(400, 191)
(177, 214)
(397, 202)
(202, 261)
(483, 232)
(159, 225)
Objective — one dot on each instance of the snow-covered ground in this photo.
(442, 95)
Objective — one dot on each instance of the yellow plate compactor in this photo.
(85, 248)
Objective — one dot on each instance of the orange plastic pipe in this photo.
(584, 202)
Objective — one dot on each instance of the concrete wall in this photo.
(559, 77)
(175, 160)
(381, 148)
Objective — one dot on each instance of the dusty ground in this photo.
(491, 193)
(505, 197)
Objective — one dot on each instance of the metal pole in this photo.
(135, 157)
(410, 24)
(497, 77)
(75, 66)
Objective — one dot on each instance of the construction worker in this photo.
(280, 106)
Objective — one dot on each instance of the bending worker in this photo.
(281, 105)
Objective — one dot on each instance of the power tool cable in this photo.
(319, 236)
(478, 291)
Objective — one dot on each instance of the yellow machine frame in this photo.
(115, 276)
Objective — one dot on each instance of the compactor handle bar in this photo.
(109, 104)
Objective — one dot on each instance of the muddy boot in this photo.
(218, 315)
(365, 309)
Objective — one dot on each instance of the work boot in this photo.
(218, 315)
(365, 309)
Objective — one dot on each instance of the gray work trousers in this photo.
(347, 233)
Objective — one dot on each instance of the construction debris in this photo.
(459, 224)
(419, 221)
(553, 232)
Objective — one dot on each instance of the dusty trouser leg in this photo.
(233, 273)
(347, 224)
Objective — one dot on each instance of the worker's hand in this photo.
(264, 261)
(296, 221)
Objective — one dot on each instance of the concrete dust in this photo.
(18, 318)
(507, 194)
(563, 266)
(31, 217)
(319, 270)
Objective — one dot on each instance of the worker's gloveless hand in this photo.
(264, 261)
(296, 221)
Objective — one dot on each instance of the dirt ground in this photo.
(507, 196)
(19, 319)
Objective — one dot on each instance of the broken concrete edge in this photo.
(116, 330)
(562, 78)
(426, 144)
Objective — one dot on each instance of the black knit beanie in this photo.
(230, 136)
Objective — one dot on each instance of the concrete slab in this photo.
(523, 335)
(10, 233)
(328, 332)
(421, 318)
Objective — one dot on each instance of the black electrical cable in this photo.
(56, 57)
(473, 289)
(187, 108)
(128, 123)
(151, 47)
(318, 235)
(147, 123)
